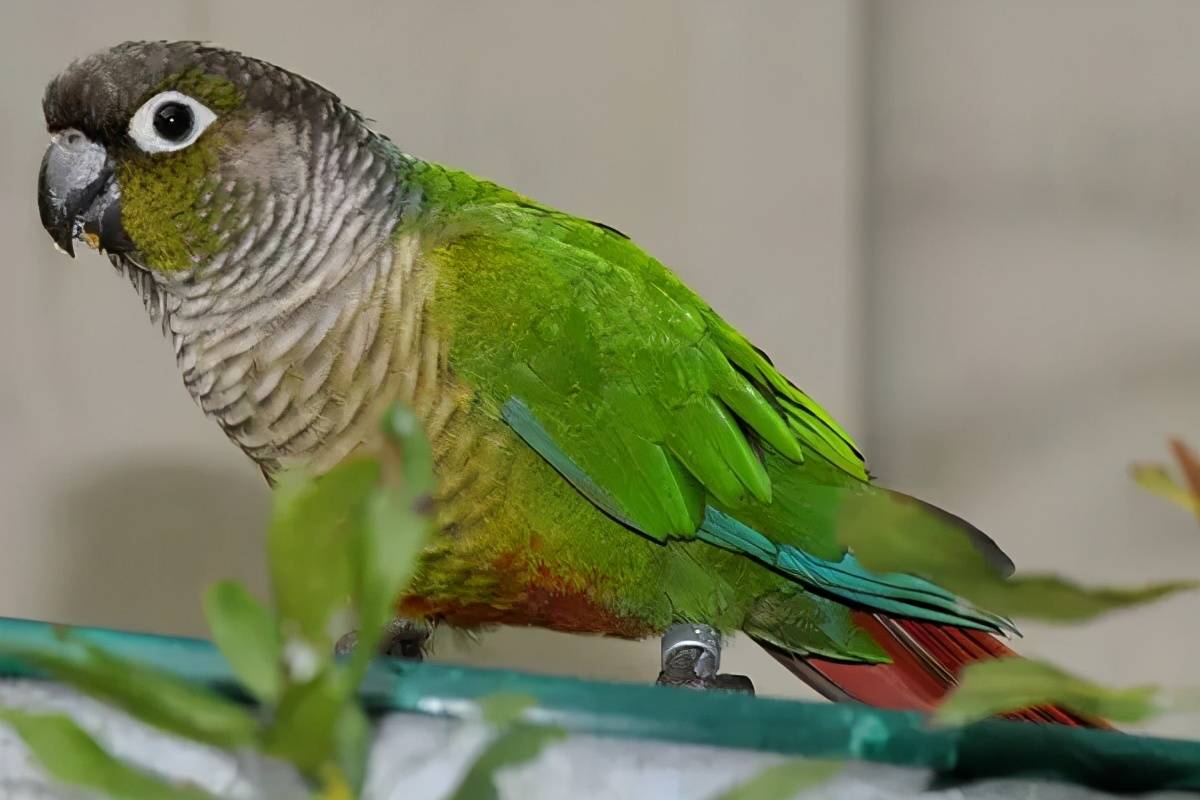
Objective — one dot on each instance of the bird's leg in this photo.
(691, 656)
(402, 638)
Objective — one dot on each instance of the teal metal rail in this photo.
(995, 749)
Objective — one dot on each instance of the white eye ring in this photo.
(150, 140)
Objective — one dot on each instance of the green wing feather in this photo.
(626, 369)
(845, 578)
(653, 407)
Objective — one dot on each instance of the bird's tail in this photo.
(926, 659)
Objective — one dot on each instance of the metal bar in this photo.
(992, 749)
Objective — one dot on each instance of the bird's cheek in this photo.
(161, 209)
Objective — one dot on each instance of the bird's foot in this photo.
(691, 656)
(402, 638)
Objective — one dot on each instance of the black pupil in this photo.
(173, 121)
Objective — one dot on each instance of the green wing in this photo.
(652, 406)
(630, 374)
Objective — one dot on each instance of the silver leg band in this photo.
(688, 636)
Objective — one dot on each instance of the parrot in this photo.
(612, 456)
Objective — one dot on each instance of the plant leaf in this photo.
(154, 697)
(70, 755)
(1154, 478)
(1050, 597)
(396, 527)
(247, 636)
(407, 439)
(783, 781)
(515, 746)
(308, 545)
(996, 686)
(893, 535)
(303, 729)
(334, 785)
(352, 741)
(505, 708)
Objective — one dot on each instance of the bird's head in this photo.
(178, 158)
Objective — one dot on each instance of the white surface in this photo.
(211, 769)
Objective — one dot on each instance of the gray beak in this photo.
(78, 197)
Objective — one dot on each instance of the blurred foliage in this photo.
(783, 781)
(1156, 477)
(505, 708)
(902, 536)
(341, 548)
(70, 755)
(155, 697)
(516, 744)
(988, 688)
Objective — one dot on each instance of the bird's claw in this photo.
(402, 638)
(722, 682)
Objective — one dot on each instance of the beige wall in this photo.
(1033, 289)
(966, 227)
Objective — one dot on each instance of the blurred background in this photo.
(970, 229)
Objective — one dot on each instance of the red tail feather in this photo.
(926, 659)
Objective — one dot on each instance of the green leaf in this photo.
(352, 741)
(334, 785)
(1155, 478)
(407, 440)
(515, 746)
(352, 536)
(154, 697)
(505, 708)
(1053, 598)
(309, 541)
(303, 730)
(887, 534)
(397, 525)
(783, 781)
(70, 755)
(247, 636)
(987, 688)
(392, 537)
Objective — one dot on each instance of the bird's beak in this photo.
(78, 196)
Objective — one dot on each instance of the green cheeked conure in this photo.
(613, 457)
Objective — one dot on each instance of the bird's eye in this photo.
(169, 121)
(173, 121)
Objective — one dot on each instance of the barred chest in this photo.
(306, 379)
